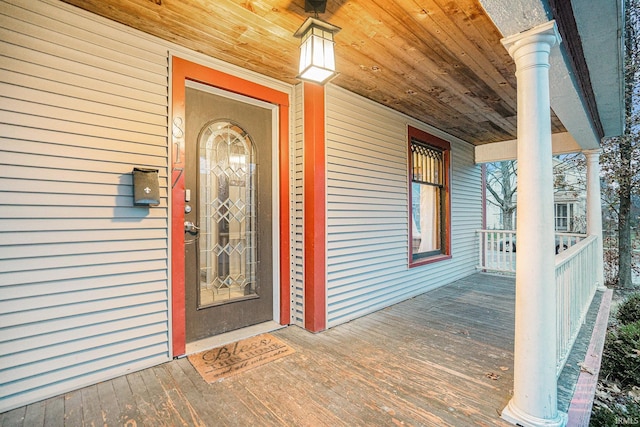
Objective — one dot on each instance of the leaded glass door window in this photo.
(227, 247)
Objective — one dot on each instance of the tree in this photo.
(570, 174)
(501, 183)
(620, 158)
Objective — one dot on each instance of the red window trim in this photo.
(445, 146)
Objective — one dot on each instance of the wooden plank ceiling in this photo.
(439, 61)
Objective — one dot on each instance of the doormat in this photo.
(237, 357)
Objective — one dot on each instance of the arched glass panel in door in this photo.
(227, 243)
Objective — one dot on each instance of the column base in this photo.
(517, 417)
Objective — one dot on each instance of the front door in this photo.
(228, 212)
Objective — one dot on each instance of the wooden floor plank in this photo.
(91, 411)
(34, 415)
(54, 412)
(285, 398)
(161, 401)
(251, 408)
(221, 395)
(108, 403)
(14, 417)
(73, 409)
(180, 410)
(144, 401)
(129, 413)
(197, 393)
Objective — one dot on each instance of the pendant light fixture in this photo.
(317, 58)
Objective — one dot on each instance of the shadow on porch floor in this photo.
(442, 358)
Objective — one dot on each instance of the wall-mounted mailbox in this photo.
(146, 190)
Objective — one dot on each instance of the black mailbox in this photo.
(146, 190)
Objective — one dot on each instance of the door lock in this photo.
(190, 227)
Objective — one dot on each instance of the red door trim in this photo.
(315, 284)
(183, 70)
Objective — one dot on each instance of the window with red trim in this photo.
(429, 198)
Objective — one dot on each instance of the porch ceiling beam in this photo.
(603, 52)
(576, 62)
(562, 143)
(602, 56)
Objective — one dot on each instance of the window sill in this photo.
(429, 260)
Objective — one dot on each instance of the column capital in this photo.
(594, 152)
(544, 33)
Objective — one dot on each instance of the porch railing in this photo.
(576, 283)
(575, 272)
(565, 240)
(498, 248)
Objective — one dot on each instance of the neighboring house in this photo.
(275, 202)
(570, 201)
(570, 198)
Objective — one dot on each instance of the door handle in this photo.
(190, 227)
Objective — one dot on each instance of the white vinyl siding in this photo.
(83, 273)
(297, 232)
(367, 210)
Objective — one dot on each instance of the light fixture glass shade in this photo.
(317, 59)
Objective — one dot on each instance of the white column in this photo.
(594, 209)
(534, 401)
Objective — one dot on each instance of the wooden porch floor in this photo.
(444, 358)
